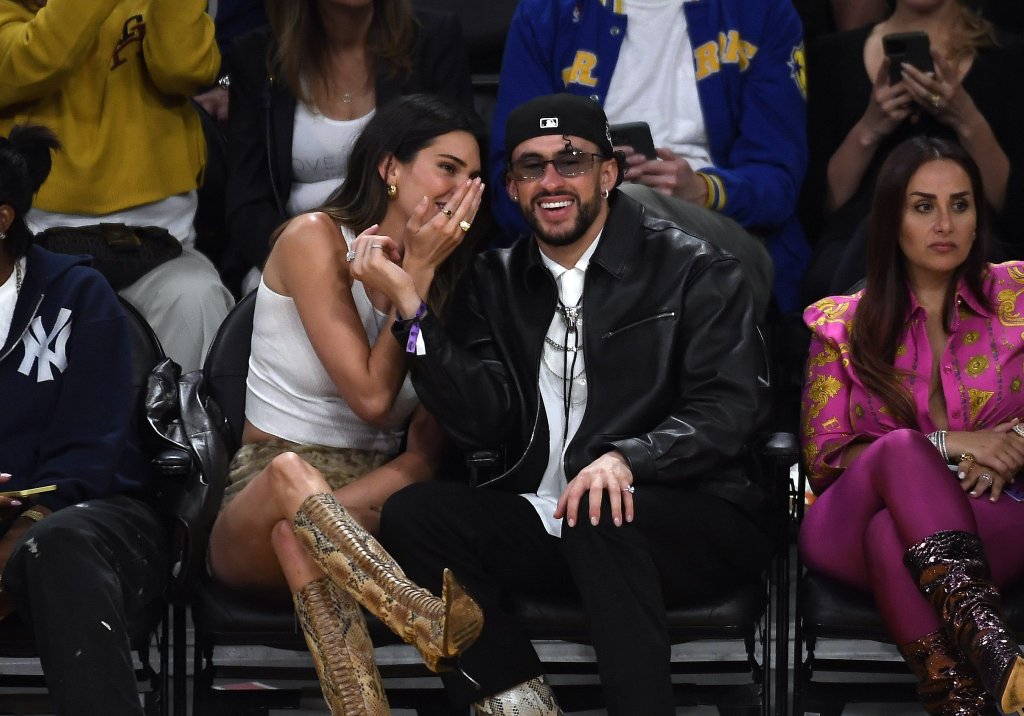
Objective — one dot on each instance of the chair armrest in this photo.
(782, 445)
(173, 463)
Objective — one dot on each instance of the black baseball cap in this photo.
(562, 114)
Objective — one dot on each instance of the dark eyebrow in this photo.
(560, 153)
(954, 195)
(462, 163)
(455, 159)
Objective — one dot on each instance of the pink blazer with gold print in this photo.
(982, 371)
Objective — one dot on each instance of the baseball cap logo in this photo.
(548, 122)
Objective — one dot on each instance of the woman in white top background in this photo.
(327, 396)
(301, 91)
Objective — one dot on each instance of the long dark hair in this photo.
(301, 43)
(880, 322)
(398, 131)
(25, 163)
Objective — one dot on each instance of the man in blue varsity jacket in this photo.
(721, 83)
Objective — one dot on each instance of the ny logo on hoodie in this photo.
(37, 347)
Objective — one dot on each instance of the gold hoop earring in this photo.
(392, 191)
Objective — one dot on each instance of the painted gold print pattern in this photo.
(978, 399)
(1008, 313)
(970, 338)
(824, 388)
(828, 355)
(977, 365)
(832, 312)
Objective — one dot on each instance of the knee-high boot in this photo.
(946, 686)
(951, 570)
(530, 698)
(355, 561)
(342, 653)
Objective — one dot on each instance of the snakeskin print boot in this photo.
(951, 570)
(439, 628)
(530, 698)
(342, 652)
(946, 686)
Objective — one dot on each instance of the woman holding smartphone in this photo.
(93, 550)
(856, 116)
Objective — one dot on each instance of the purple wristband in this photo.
(414, 330)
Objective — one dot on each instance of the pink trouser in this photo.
(896, 493)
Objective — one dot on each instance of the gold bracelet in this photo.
(34, 515)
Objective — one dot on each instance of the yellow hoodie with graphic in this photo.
(112, 78)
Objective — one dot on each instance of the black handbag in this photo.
(187, 432)
(121, 253)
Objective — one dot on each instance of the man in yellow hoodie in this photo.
(112, 78)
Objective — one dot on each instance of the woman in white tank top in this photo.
(325, 387)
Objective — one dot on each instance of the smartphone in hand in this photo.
(910, 47)
(28, 492)
(636, 135)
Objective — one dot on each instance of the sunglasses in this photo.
(567, 164)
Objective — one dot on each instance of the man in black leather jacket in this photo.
(612, 358)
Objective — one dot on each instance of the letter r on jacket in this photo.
(581, 71)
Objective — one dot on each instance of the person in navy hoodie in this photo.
(77, 563)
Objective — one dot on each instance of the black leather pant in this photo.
(683, 544)
(83, 579)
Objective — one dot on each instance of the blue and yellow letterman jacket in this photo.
(749, 64)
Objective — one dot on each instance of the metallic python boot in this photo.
(341, 649)
(530, 698)
(951, 570)
(946, 686)
(439, 628)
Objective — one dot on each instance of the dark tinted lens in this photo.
(528, 168)
(572, 165)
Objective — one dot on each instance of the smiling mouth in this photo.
(555, 204)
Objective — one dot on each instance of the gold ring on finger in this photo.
(464, 225)
(1019, 429)
(966, 457)
(447, 212)
(936, 100)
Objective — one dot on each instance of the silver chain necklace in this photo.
(18, 277)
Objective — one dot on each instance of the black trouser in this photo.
(682, 545)
(81, 579)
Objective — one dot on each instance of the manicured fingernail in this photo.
(618, 522)
(572, 522)
(593, 521)
(15, 503)
(961, 474)
(4, 475)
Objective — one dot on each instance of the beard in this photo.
(586, 214)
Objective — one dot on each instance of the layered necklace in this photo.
(570, 349)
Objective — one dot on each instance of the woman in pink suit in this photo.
(912, 432)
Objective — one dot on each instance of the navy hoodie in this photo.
(65, 387)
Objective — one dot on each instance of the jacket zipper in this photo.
(28, 325)
(656, 317)
(536, 415)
